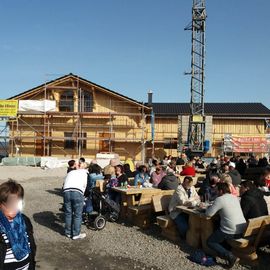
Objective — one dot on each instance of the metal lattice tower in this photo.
(196, 132)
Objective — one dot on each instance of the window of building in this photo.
(86, 102)
(106, 142)
(66, 103)
(170, 143)
(70, 140)
(82, 142)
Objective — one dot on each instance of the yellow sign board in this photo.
(8, 108)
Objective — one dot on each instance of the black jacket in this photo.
(253, 204)
(168, 182)
(29, 230)
(236, 177)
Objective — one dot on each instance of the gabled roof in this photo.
(215, 109)
(75, 77)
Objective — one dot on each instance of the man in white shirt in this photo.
(185, 194)
(74, 187)
(232, 222)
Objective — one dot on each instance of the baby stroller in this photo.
(104, 209)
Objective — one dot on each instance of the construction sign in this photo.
(8, 108)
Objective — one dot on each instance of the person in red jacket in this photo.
(188, 169)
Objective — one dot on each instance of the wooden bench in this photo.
(140, 214)
(160, 205)
(245, 247)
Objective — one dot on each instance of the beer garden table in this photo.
(199, 229)
(128, 196)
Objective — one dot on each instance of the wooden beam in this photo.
(62, 87)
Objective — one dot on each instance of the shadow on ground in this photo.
(56, 191)
(50, 220)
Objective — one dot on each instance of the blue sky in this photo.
(131, 46)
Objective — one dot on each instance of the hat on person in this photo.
(232, 164)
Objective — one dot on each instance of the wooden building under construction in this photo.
(84, 118)
(231, 128)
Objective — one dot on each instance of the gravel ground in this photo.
(118, 246)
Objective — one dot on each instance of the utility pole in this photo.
(196, 131)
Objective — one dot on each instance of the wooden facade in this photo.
(167, 133)
(90, 119)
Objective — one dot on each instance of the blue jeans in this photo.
(215, 243)
(181, 222)
(73, 204)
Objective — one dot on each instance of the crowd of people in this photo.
(223, 190)
(234, 199)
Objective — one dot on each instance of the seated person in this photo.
(226, 178)
(185, 194)
(120, 175)
(110, 168)
(94, 173)
(181, 160)
(235, 175)
(199, 164)
(169, 181)
(265, 179)
(153, 167)
(127, 170)
(117, 181)
(188, 169)
(252, 201)
(232, 222)
(157, 176)
(209, 188)
(141, 176)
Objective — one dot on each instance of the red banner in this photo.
(250, 144)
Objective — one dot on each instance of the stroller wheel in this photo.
(100, 222)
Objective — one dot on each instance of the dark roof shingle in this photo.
(215, 109)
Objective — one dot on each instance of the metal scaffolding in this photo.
(76, 124)
(196, 133)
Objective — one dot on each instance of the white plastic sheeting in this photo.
(53, 162)
(37, 105)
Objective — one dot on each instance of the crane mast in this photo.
(196, 130)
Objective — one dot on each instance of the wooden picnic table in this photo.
(128, 196)
(200, 228)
